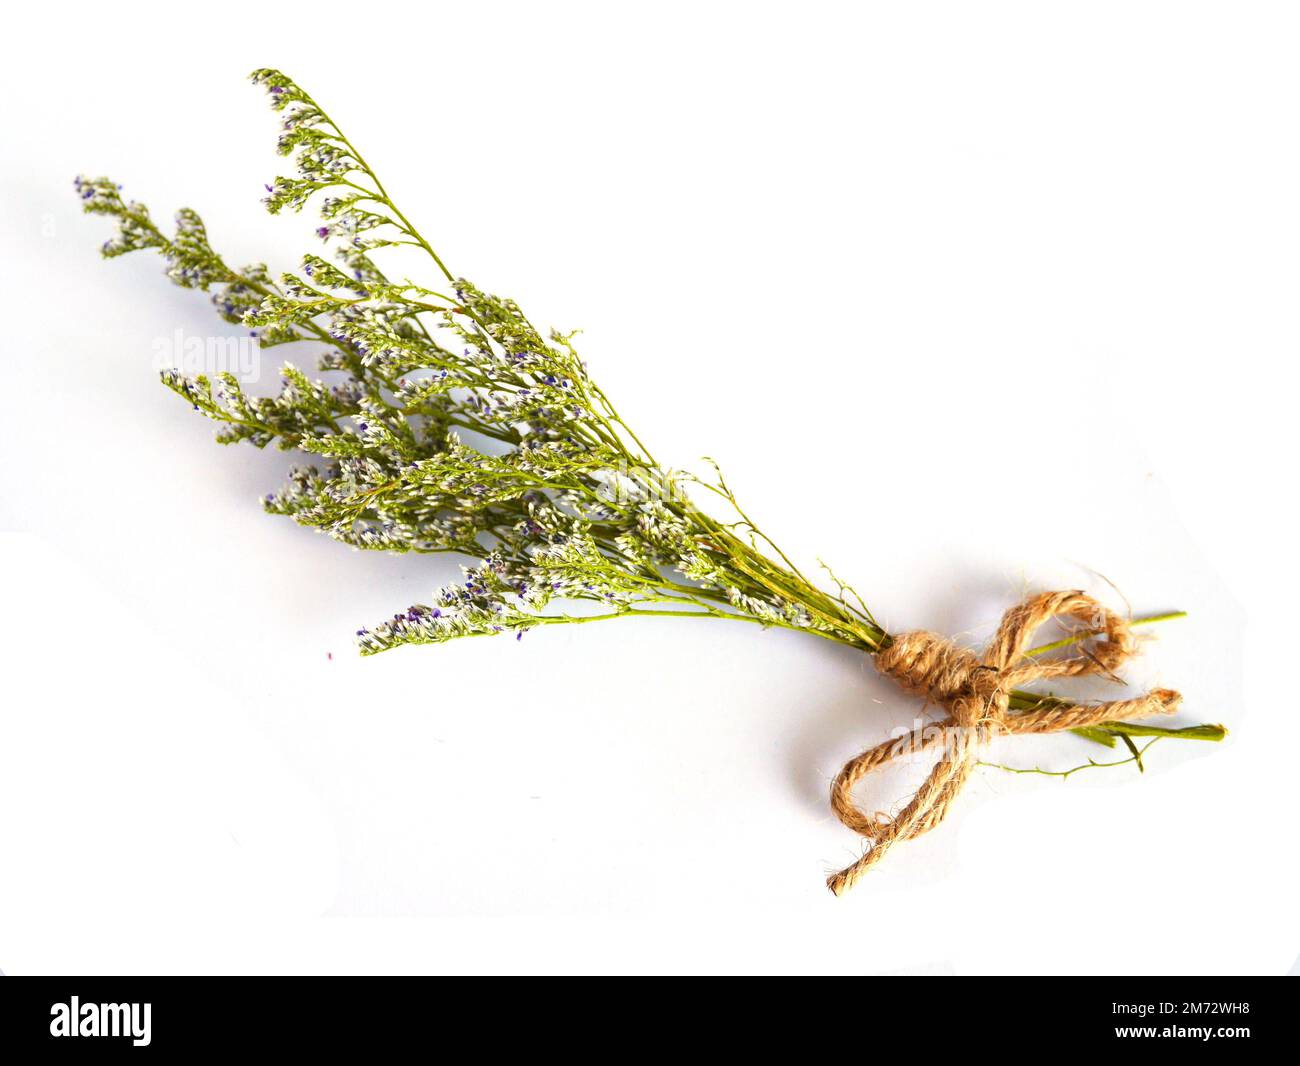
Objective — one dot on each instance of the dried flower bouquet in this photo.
(449, 423)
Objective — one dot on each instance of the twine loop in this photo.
(975, 691)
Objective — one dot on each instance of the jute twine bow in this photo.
(975, 690)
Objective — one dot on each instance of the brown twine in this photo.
(975, 691)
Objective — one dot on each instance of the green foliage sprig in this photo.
(447, 422)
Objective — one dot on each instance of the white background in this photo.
(967, 300)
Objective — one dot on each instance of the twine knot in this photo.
(975, 690)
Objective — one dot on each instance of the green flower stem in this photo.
(1091, 764)
(1083, 635)
(383, 193)
(1213, 733)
